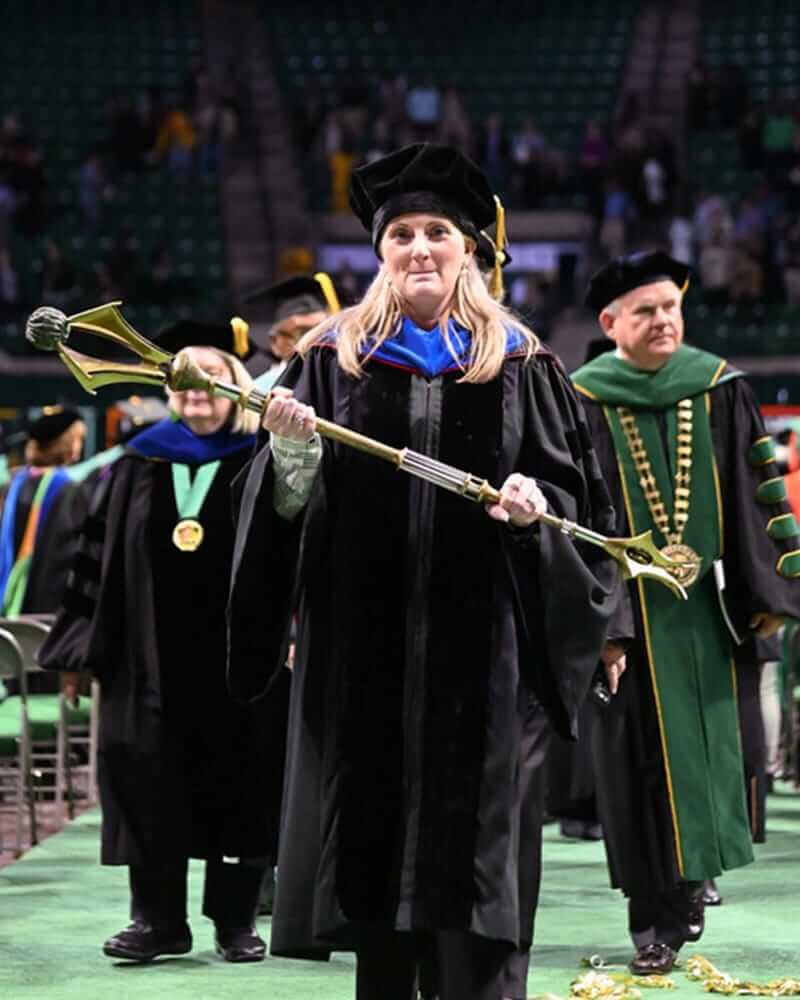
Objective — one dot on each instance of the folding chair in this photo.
(57, 728)
(16, 767)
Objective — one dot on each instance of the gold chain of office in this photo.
(689, 560)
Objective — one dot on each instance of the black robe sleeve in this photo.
(54, 552)
(574, 599)
(76, 642)
(267, 553)
(751, 555)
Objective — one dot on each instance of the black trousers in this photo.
(469, 967)
(663, 916)
(754, 744)
(230, 892)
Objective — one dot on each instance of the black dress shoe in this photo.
(239, 944)
(694, 926)
(656, 959)
(711, 894)
(694, 918)
(141, 942)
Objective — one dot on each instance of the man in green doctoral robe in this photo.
(681, 443)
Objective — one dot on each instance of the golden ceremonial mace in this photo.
(48, 329)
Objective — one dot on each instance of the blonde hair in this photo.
(243, 421)
(379, 314)
(59, 451)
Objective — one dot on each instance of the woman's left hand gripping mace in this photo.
(48, 329)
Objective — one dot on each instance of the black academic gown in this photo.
(54, 551)
(423, 627)
(56, 541)
(632, 789)
(183, 771)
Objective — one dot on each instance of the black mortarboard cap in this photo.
(423, 177)
(229, 337)
(53, 422)
(297, 296)
(623, 274)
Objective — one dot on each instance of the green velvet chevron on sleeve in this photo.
(771, 491)
(762, 452)
(782, 527)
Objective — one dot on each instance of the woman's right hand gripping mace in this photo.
(48, 329)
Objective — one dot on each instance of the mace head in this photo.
(47, 328)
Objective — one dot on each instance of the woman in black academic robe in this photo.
(426, 624)
(41, 513)
(183, 771)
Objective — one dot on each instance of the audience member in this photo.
(30, 186)
(715, 267)
(353, 106)
(215, 126)
(341, 156)
(791, 265)
(593, 157)
(492, 150)
(9, 287)
(618, 211)
(680, 236)
(150, 111)
(424, 109)
(91, 188)
(747, 274)
(455, 129)
(118, 273)
(162, 274)
(711, 216)
(654, 182)
(527, 151)
(8, 204)
(176, 140)
(393, 95)
(59, 280)
(749, 226)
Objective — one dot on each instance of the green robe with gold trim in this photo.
(668, 749)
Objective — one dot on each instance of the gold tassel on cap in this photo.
(500, 243)
(325, 283)
(241, 339)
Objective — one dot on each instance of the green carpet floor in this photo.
(57, 906)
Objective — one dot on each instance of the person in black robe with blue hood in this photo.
(40, 515)
(184, 772)
(424, 622)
